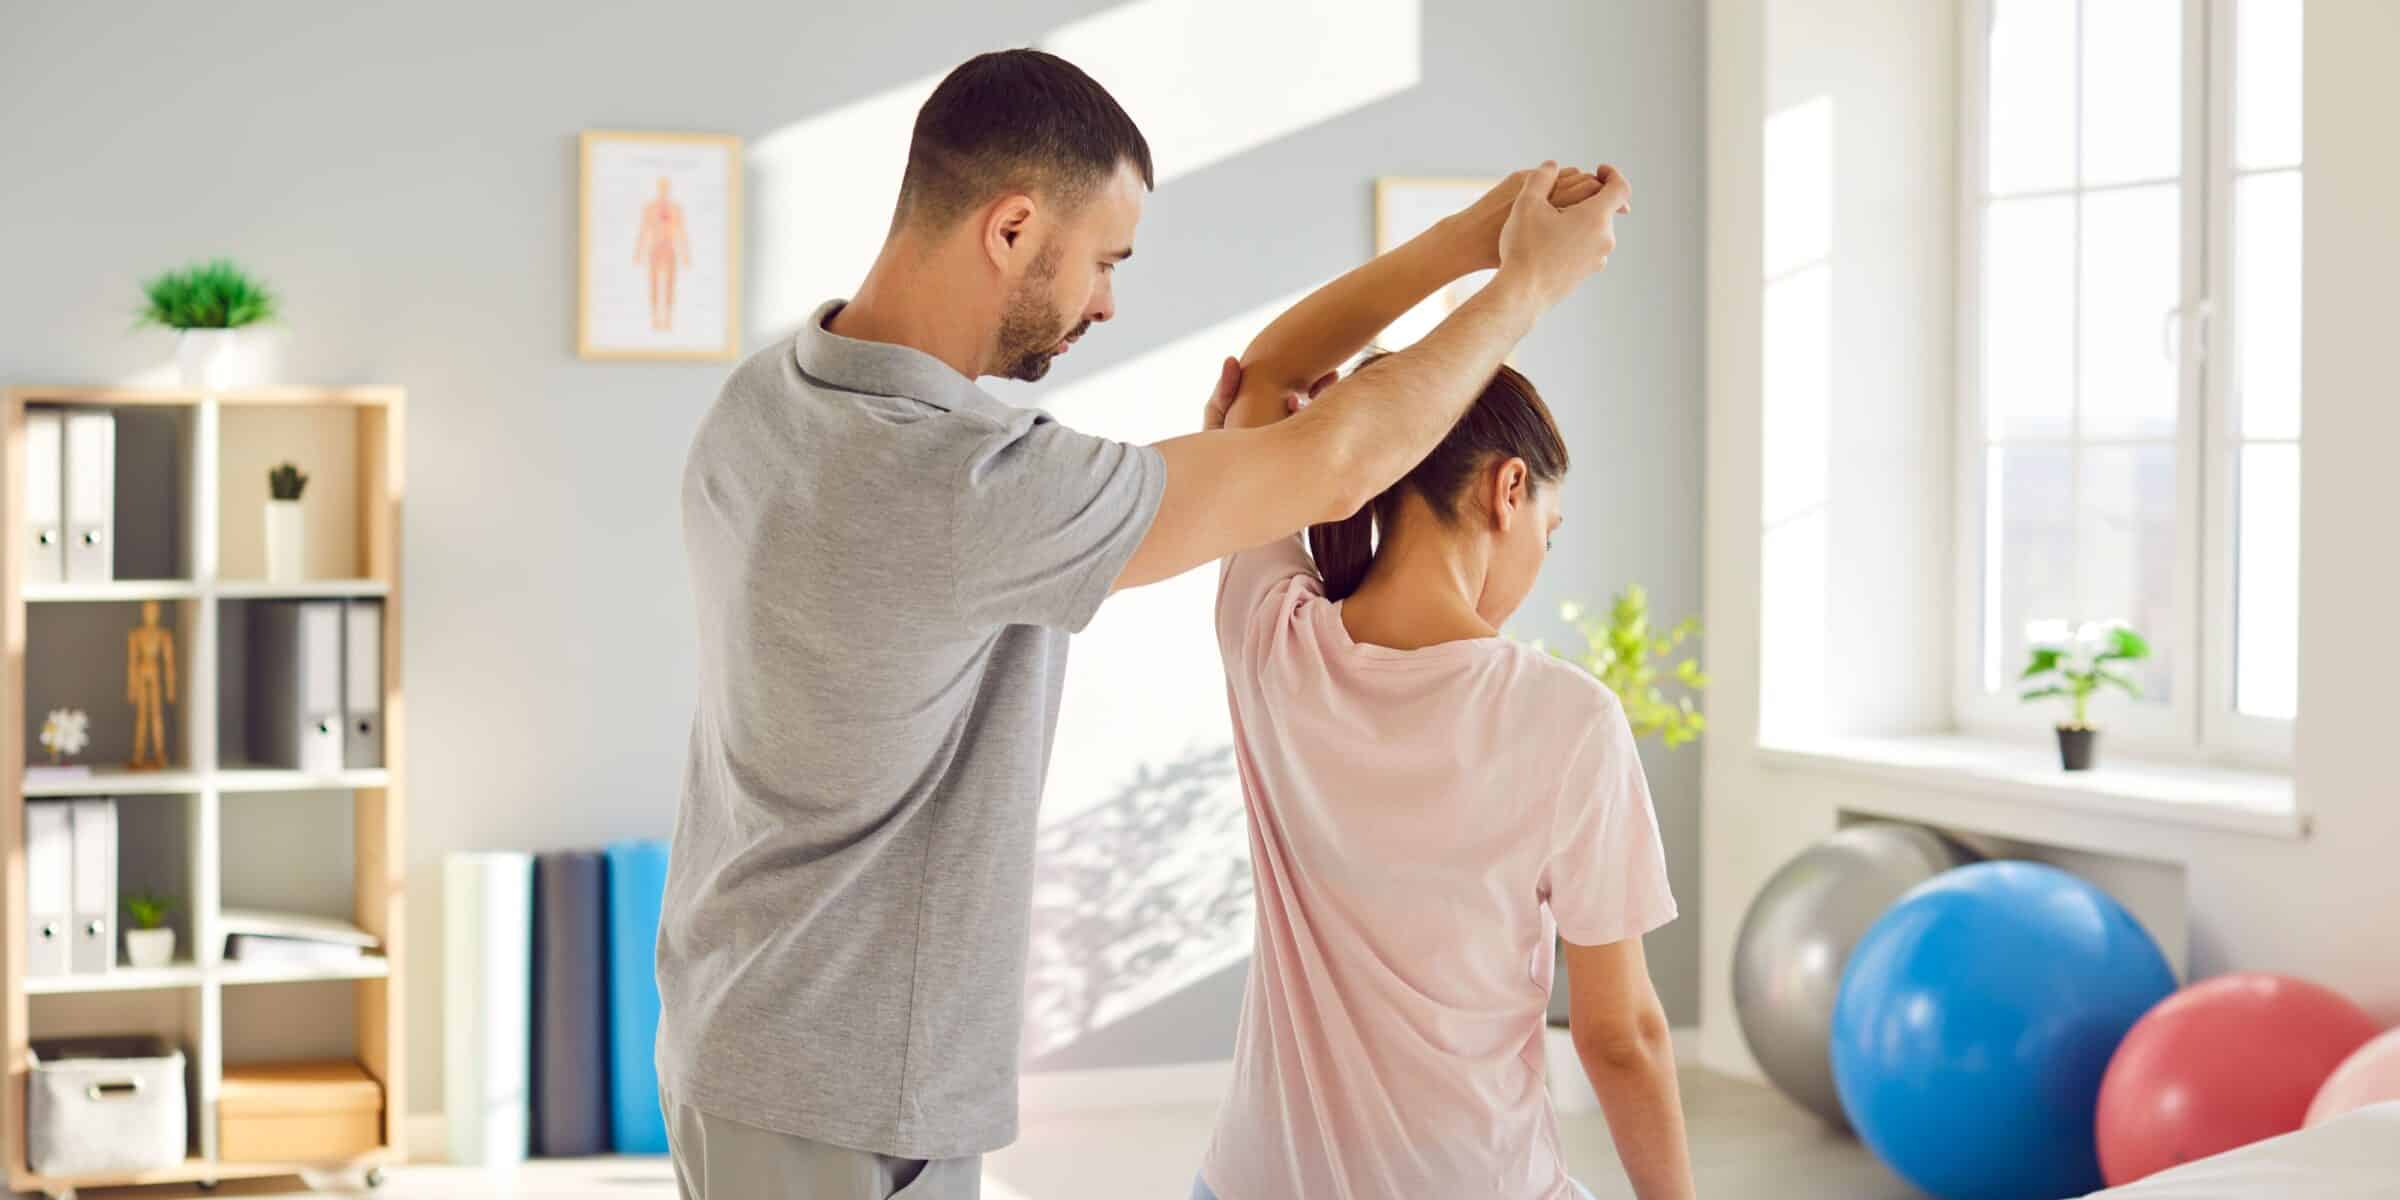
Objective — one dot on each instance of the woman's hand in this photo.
(1476, 228)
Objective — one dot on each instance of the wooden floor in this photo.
(1746, 1142)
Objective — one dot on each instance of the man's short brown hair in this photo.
(1014, 120)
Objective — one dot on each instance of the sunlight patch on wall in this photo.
(821, 194)
(1210, 79)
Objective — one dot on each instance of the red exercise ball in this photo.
(2221, 1064)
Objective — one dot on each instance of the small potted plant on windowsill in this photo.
(2076, 669)
(149, 943)
(208, 305)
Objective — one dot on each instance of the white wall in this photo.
(2319, 906)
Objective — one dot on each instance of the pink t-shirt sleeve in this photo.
(1607, 878)
(1252, 584)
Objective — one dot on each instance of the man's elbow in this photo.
(1637, 1041)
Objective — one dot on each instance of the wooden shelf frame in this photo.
(378, 816)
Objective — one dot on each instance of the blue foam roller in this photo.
(637, 884)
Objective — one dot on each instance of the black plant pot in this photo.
(2075, 746)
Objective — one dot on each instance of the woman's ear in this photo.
(1509, 493)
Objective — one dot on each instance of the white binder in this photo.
(46, 534)
(362, 685)
(91, 496)
(296, 685)
(49, 888)
(94, 824)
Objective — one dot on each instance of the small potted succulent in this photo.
(2073, 668)
(287, 527)
(149, 943)
(1619, 648)
(208, 305)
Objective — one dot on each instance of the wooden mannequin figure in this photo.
(150, 685)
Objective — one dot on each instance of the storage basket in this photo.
(104, 1104)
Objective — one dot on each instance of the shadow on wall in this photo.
(1137, 896)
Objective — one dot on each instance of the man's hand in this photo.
(1229, 385)
(1551, 249)
(1477, 226)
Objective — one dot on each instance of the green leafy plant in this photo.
(2077, 667)
(149, 910)
(286, 482)
(1621, 650)
(212, 295)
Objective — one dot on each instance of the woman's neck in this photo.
(1419, 592)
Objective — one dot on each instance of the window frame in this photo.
(2226, 730)
(2201, 720)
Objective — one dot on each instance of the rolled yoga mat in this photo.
(637, 883)
(487, 979)
(570, 1004)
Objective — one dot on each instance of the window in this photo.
(2129, 344)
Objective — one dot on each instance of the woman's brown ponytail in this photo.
(1343, 550)
(1508, 420)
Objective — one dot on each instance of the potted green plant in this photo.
(1621, 650)
(208, 305)
(287, 528)
(2073, 670)
(149, 943)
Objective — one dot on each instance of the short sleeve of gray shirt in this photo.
(1046, 517)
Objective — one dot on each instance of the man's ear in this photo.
(1004, 226)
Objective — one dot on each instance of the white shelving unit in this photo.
(352, 439)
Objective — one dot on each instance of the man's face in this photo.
(1068, 284)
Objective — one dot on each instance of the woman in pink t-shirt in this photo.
(1432, 807)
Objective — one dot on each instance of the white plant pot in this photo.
(287, 541)
(149, 947)
(210, 359)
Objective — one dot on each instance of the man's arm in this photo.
(1620, 1034)
(1231, 489)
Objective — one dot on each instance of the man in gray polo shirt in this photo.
(886, 563)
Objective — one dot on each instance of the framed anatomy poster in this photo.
(659, 254)
(1404, 208)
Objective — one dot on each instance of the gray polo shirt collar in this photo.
(883, 368)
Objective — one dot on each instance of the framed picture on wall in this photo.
(1405, 207)
(658, 271)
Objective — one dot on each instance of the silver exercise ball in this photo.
(1794, 941)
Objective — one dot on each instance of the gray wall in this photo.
(405, 175)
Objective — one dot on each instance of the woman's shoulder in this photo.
(1556, 683)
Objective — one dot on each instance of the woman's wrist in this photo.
(1462, 245)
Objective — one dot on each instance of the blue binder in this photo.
(637, 885)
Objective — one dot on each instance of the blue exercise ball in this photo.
(1975, 1021)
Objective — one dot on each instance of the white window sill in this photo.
(2228, 799)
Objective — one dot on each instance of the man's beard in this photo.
(1029, 330)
